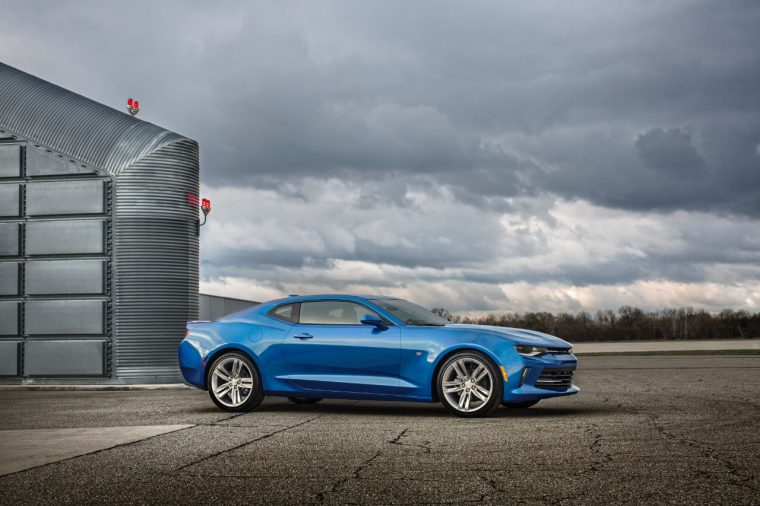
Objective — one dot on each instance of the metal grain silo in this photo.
(98, 239)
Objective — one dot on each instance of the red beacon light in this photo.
(205, 208)
(133, 106)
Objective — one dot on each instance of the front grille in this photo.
(558, 351)
(559, 379)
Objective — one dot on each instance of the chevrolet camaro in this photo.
(308, 348)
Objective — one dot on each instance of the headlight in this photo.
(530, 351)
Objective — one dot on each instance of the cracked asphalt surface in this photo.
(642, 430)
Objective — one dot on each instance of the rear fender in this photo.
(230, 348)
(204, 342)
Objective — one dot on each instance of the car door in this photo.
(329, 349)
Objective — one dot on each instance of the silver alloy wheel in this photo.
(232, 382)
(467, 384)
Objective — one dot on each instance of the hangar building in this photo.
(98, 239)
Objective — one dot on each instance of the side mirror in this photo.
(373, 319)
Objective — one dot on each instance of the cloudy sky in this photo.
(480, 156)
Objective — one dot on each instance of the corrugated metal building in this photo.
(98, 239)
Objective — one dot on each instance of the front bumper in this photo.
(541, 378)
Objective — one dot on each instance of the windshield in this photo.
(409, 313)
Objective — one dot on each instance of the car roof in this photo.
(328, 296)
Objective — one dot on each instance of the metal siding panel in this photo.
(64, 358)
(8, 278)
(9, 318)
(10, 161)
(82, 129)
(42, 162)
(9, 358)
(217, 306)
(9, 194)
(64, 236)
(204, 307)
(234, 305)
(65, 197)
(156, 246)
(65, 277)
(64, 317)
(9, 239)
(213, 307)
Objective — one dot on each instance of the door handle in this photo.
(303, 337)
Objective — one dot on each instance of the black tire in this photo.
(497, 384)
(520, 405)
(304, 400)
(250, 397)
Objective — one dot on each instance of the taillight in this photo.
(187, 332)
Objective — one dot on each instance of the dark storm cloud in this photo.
(659, 101)
(648, 100)
(663, 169)
(670, 151)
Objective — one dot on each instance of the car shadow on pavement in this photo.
(430, 410)
(544, 412)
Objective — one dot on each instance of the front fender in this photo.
(462, 347)
(424, 349)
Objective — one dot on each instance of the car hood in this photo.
(518, 336)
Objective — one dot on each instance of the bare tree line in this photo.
(627, 324)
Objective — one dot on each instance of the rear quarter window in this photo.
(286, 312)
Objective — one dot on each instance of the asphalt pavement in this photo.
(661, 429)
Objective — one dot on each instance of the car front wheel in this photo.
(469, 384)
(234, 383)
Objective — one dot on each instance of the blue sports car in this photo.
(371, 347)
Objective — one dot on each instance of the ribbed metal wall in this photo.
(156, 261)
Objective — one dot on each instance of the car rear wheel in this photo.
(234, 383)
(469, 385)
(520, 405)
(304, 400)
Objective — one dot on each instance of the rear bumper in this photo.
(191, 364)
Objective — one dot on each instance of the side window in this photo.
(332, 312)
(285, 312)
